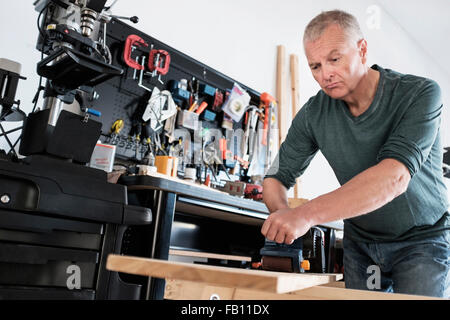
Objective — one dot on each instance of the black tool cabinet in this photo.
(56, 216)
(37, 250)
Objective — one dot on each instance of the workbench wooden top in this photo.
(275, 282)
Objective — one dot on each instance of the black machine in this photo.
(306, 253)
(59, 218)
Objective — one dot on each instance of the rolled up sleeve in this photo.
(412, 138)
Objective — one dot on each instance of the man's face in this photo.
(336, 62)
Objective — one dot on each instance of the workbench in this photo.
(194, 220)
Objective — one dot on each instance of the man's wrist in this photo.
(306, 212)
(279, 206)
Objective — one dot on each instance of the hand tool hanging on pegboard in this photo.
(159, 63)
(133, 41)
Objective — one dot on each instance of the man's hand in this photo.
(286, 225)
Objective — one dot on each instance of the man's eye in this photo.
(335, 59)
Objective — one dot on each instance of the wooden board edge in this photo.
(260, 280)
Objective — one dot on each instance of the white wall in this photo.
(239, 38)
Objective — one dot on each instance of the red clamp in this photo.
(162, 65)
(133, 40)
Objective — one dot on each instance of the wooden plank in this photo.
(295, 85)
(337, 293)
(337, 284)
(182, 290)
(295, 202)
(189, 290)
(207, 255)
(246, 294)
(325, 293)
(281, 94)
(277, 282)
(295, 104)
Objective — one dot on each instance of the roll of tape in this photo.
(146, 170)
(190, 173)
(237, 106)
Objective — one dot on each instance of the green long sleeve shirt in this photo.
(402, 123)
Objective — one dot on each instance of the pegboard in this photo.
(120, 97)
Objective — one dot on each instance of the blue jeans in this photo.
(420, 267)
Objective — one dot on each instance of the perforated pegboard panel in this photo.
(121, 96)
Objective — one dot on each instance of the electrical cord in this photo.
(44, 39)
(39, 18)
(8, 141)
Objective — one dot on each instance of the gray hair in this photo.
(347, 22)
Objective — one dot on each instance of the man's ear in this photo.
(362, 48)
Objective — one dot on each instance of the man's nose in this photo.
(327, 73)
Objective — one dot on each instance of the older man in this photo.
(380, 132)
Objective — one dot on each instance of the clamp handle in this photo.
(162, 65)
(133, 40)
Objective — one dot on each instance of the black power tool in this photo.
(306, 253)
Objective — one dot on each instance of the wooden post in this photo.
(295, 103)
(295, 85)
(281, 94)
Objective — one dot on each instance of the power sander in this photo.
(291, 258)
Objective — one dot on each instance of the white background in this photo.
(239, 39)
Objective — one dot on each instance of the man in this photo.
(380, 132)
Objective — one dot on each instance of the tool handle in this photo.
(93, 112)
(266, 98)
(164, 57)
(193, 106)
(202, 108)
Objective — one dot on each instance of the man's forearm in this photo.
(366, 192)
(274, 195)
